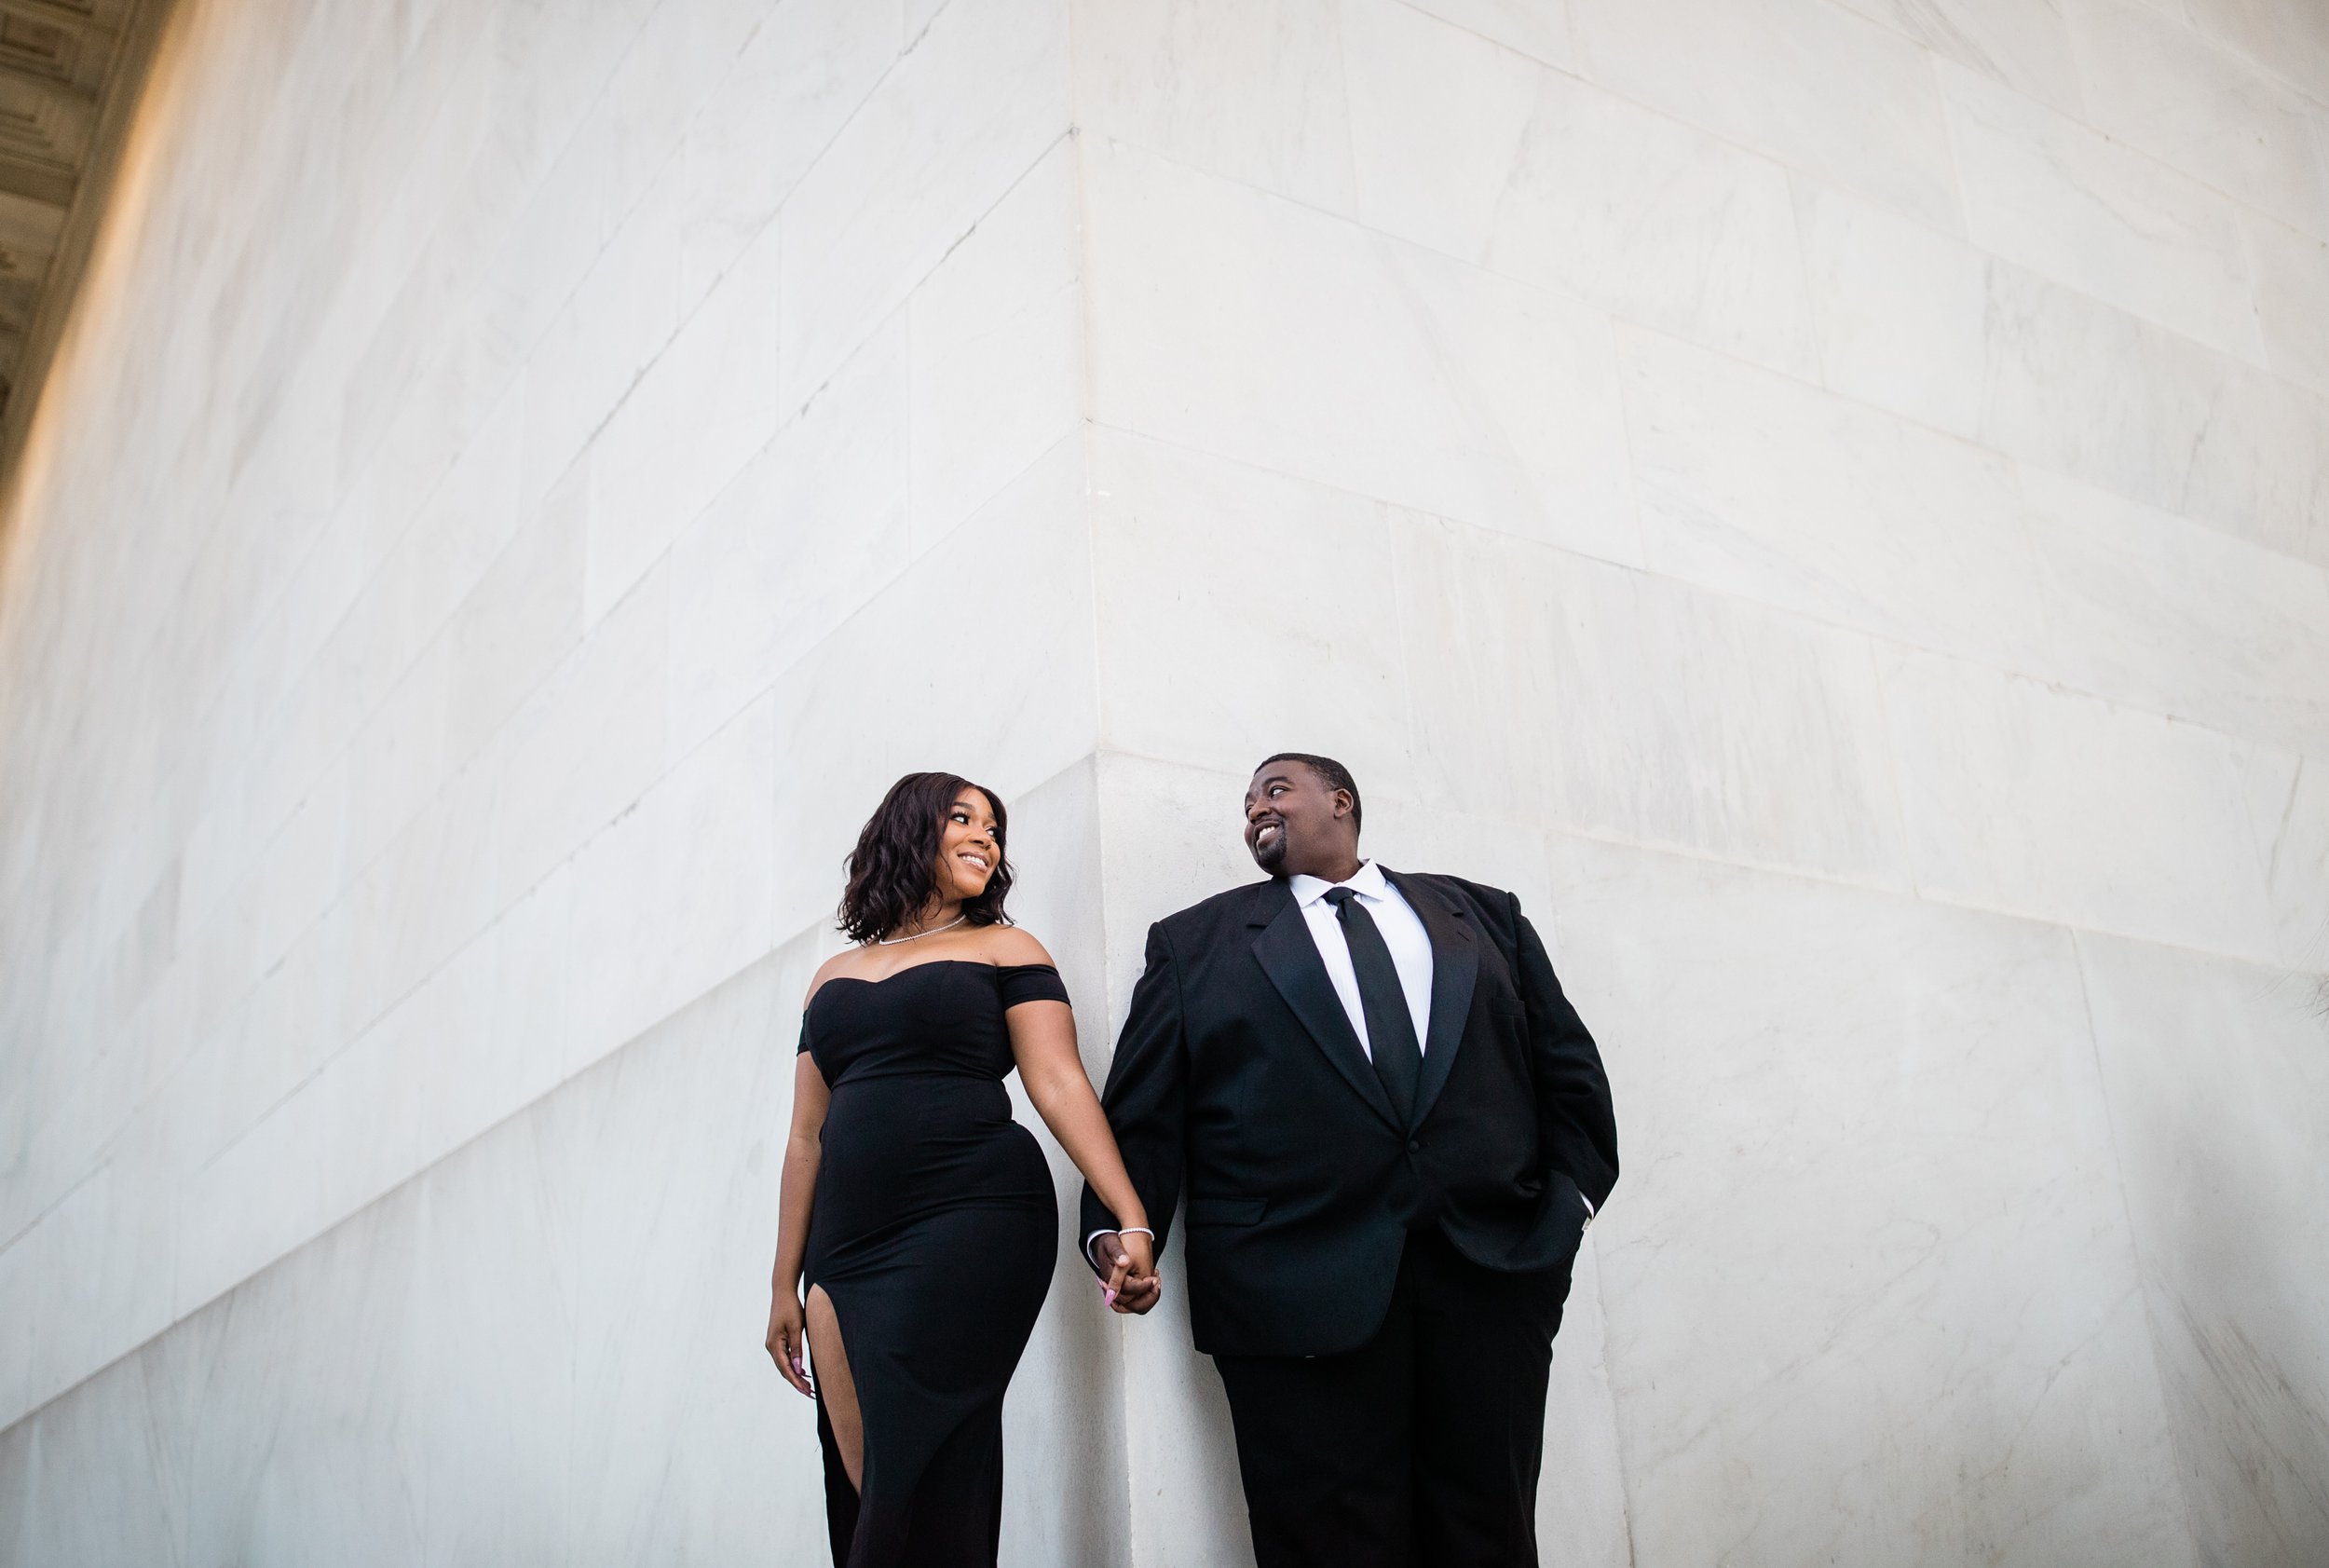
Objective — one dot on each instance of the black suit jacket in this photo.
(1238, 1075)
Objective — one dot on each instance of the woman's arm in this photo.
(1043, 1043)
(1147, 1080)
(796, 1195)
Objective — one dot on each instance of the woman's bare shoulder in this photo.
(845, 962)
(1009, 945)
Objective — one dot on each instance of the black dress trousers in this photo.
(1421, 1447)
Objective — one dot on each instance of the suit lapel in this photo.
(1290, 959)
(1455, 966)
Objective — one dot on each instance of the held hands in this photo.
(788, 1340)
(1126, 1262)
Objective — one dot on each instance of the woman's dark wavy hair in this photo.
(893, 872)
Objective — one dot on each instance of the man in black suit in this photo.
(1394, 1130)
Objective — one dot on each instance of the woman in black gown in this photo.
(918, 1214)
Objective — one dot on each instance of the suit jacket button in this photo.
(1414, 1146)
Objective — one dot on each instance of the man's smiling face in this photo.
(1295, 824)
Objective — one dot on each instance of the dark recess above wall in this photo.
(70, 73)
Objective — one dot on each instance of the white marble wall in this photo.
(1828, 500)
(1831, 501)
(501, 449)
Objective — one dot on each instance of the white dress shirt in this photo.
(1402, 931)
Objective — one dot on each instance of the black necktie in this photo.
(1389, 1026)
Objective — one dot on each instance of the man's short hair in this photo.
(1331, 773)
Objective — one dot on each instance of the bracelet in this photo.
(1136, 1231)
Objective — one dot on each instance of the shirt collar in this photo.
(1367, 883)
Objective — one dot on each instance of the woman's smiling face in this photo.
(969, 848)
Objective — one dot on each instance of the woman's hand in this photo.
(788, 1340)
(1130, 1284)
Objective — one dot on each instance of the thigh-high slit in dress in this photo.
(933, 1236)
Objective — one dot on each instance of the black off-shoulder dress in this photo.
(935, 1233)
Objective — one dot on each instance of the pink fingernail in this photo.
(1109, 1295)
